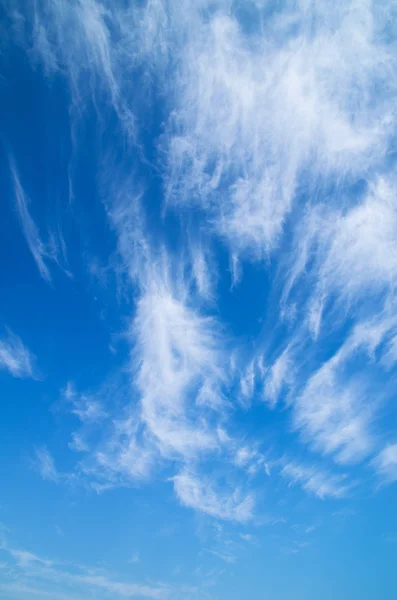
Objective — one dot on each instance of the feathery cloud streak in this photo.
(278, 129)
(15, 357)
(32, 575)
(30, 231)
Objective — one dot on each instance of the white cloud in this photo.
(15, 357)
(124, 456)
(126, 217)
(179, 355)
(198, 493)
(38, 249)
(78, 443)
(253, 112)
(390, 356)
(114, 448)
(227, 558)
(70, 391)
(26, 559)
(75, 41)
(171, 412)
(333, 416)
(337, 406)
(28, 590)
(31, 571)
(121, 589)
(88, 410)
(247, 382)
(243, 456)
(279, 374)
(350, 252)
(203, 267)
(256, 125)
(247, 537)
(362, 250)
(251, 460)
(316, 481)
(385, 463)
(46, 465)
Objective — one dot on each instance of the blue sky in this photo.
(198, 344)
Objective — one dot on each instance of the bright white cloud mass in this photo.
(202, 252)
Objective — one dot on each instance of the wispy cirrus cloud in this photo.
(277, 127)
(170, 408)
(198, 492)
(15, 357)
(180, 359)
(226, 558)
(74, 42)
(336, 406)
(34, 575)
(24, 558)
(46, 465)
(253, 111)
(351, 253)
(333, 416)
(316, 481)
(29, 590)
(385, 463)
(37, 247)
(279, 375)
(87, 409)
(178, 362)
